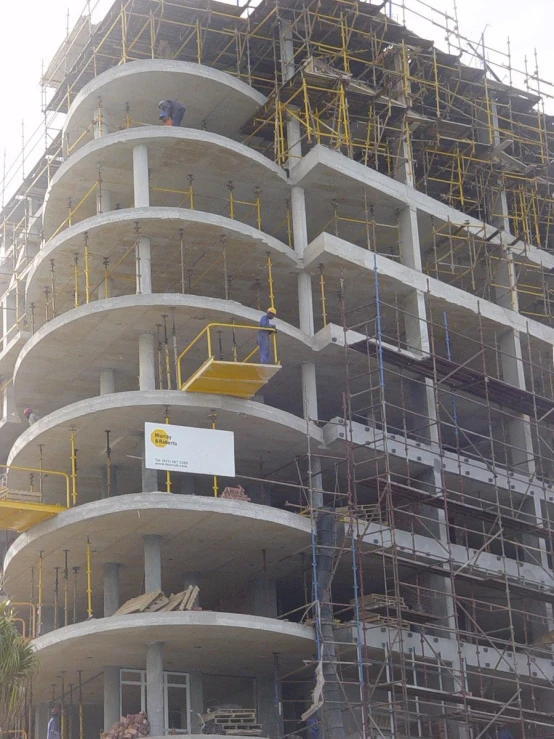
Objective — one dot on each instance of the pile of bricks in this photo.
(235, 494)
(231, 722)
(131, 726)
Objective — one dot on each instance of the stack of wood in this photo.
(235, 494)
(131, 726)
(157, 601)
(377, 607)
(231, 722)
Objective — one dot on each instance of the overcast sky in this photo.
(32, 30)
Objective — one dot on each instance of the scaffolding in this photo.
(429, 504)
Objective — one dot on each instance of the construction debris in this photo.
(231, 722)
(131, 726)
(157, 601)
(235, 494)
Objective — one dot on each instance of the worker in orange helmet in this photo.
(30, 415)
(263, 334)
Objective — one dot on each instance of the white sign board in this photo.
(188, 449)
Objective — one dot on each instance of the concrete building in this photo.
(393, 567)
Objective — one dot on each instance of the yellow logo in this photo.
(159, 438)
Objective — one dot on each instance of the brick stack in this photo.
(131, 726)
(235, 494)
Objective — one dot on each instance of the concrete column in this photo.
(300, 239)
(310, 407)
(42, 716)
(149, 478)
(8, 400)
(104, 201)
(192, 578)
(141, 177)
(263, 595)
(147, 366)
(8, 317)
(268, 703)
(196, 702)
(143, 266)
(294, 136)
(112, 706)
(107, 381)
(152, 562)
(155, 687)
(519, 428)
(111, 588)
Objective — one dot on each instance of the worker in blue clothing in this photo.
(171, 112)
(265, 336)
(505, 733)
(53, 729)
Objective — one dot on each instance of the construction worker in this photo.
(171, 112)
(30, 415)
(53, 730)
(264, 336)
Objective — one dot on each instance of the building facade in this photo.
(381, 564)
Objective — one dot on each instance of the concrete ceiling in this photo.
(262, 435)
(223, 540)
(173, 154)
(213, 100)
(223, 643)
(213, 248)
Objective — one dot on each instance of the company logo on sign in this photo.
(161, 439)
(186, 449)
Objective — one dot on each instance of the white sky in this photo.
(31, 31)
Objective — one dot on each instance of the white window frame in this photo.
(141, 680)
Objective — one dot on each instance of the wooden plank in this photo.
(186, 594)
(139, 604)
(158, 604)
(189, 603)
(172, 602)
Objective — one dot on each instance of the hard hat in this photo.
(27, 411)
(161, 103)
(271, 310)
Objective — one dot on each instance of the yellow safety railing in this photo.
(71, 497)
(207, 332)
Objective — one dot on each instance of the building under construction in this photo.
(381, 564)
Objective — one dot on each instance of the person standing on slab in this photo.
(30, 415)
(264, 334)
(53, 730)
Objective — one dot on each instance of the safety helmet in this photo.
(271, 310)
(27, 412)
(161, 103)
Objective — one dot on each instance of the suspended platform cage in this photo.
(230, 375)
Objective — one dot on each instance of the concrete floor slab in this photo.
(223, 643)
(214, 100)
(223, 540)
(262, 435)
(111, 236)
(173, 154)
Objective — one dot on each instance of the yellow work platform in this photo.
(18, 515)
(238, 379)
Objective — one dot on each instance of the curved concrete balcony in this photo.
(191, 251)
(221, 540)
(105, 335)
(176, 167)
(221, 643)
(265, 438)
(128, 95)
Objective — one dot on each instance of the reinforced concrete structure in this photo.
(392, 573)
